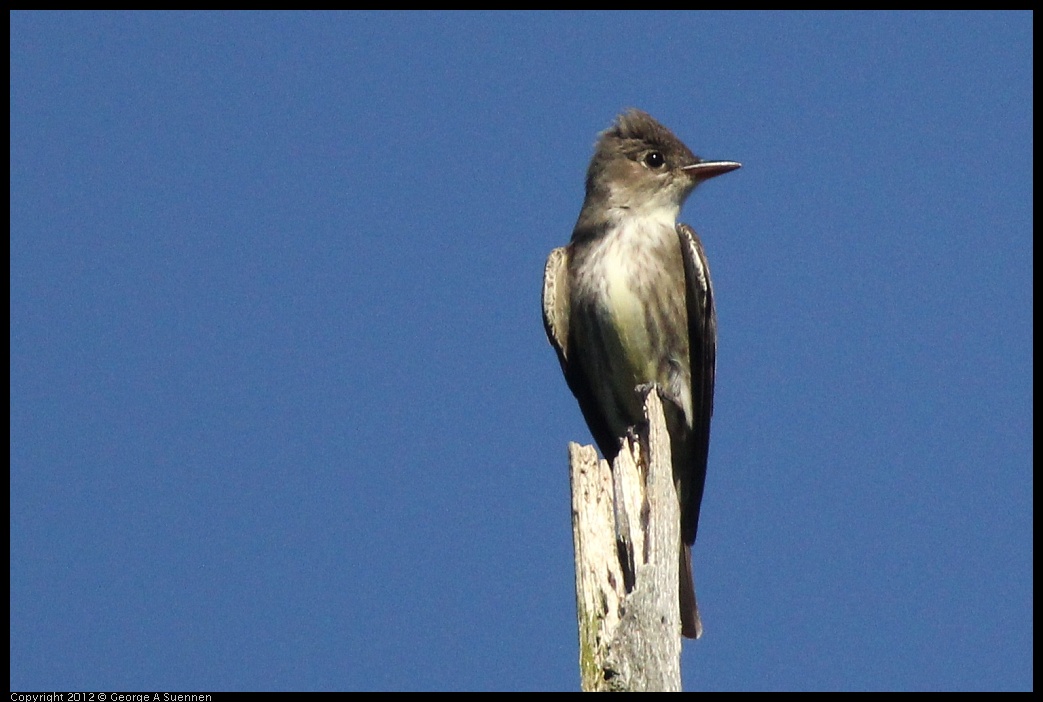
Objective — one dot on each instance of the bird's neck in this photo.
(608, 218)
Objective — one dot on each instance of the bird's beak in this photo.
(704, 170)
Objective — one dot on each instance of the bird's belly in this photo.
(638, 326)
(629, 355)
(625, 315)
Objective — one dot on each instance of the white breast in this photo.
(626, 251)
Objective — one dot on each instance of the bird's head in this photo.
(640, 165)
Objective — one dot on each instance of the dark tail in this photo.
(691, 625)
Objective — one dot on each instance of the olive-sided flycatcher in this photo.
(629, 303)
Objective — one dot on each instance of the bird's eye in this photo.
(654, 159)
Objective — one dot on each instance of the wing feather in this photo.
(702, 343)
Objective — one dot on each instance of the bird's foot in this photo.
(644, 388)
(665, 395)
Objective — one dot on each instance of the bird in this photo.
(628, 304)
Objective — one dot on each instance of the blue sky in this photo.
(283, 416)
